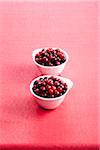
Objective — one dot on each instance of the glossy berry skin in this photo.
(56, 83)
(50, 82)
(58, 63)
(53, 88)
(37, 91)
(56, 92)
(49, 87)
(42, 88)
(50, 91)
(50, 57)
(59, 89)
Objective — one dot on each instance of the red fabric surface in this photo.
(24, 27)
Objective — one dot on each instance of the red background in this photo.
(25, 26)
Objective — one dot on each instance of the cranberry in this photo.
(64, 91)
(52, 77)
(33, 88)
(38, 82)
(57, 83)
(59, 80)
(48, 87)
(46, 54)
(59, 89)
(50, 82)
(54, 52)
(57, 50)
(65, 85)
(59, 59)
(56, 92)
(45, 59)
(57, 63)
(39, 59)
(42, 88)
(60, 94)
(53, 87)
(50, 91)
(61, 55)
(50, 57)
(43, 94)
(36, 91)
(61, 85)
(44, 83)
(52, 96)
(49, 50)
(40, 53)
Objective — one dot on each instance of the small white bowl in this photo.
(52, 70)
(51, 103)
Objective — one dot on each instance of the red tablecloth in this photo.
(25, 26)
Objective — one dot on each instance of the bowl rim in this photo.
(65, 53)
(50, 99)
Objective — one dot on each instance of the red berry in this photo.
(43, 83)
(50, 57)
(40, 59)
(40, 53)
(37, 55)
(52, 77)
(65, 85)
(50, 91)
(58, 63)
(61, 55)
(62, 85)
(59, 59)
(49, 50)
(57, 83)
(45, 59)
(50, 82)
(52, 96)
(42, 88)
(59, 89)
(54, 51)
(53, 88)
(46, 54)
(36, 59)
(48, 87)
(56, 92)
(38, 82)
(37, 91)
(57, 50)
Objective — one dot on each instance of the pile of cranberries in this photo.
(49, 87)
(50, 57)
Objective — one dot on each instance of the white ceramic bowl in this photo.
(51, 103)
(52, 70)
